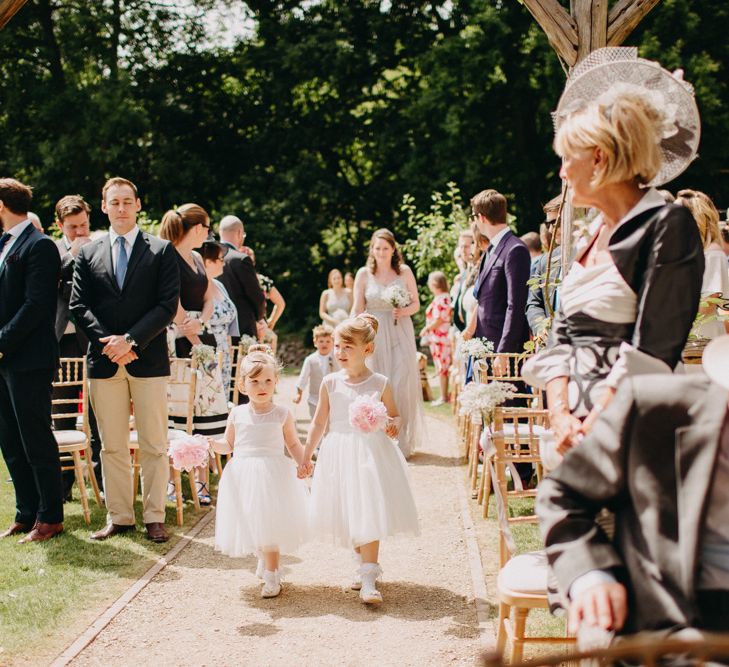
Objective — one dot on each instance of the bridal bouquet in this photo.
(397, 296)
(367, 415)
(189, 452)
(484, 398)
(477, 348)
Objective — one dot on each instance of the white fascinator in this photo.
(609, 73)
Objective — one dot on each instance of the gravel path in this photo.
(205, 609)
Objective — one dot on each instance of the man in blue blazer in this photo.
(29, 272)
(501, 286)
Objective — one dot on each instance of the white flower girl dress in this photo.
(261, 503)
(361, 488)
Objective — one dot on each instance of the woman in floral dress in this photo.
(437, 325)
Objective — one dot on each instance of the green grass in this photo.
(58, 587)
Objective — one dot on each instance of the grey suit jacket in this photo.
(64, 288)
(650, 459)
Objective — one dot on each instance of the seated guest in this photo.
(658, 457)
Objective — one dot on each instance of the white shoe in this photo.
(271, 584)
(260, 568)
(369, 593)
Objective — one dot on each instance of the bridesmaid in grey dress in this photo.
(395, 353)
(335, 303)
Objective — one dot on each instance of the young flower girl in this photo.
(361, 488)
(262, 506)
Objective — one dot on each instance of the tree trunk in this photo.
(55, 59)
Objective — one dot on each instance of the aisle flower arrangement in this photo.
(483, 399)
(478, 348)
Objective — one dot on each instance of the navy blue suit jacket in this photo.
(502, 292)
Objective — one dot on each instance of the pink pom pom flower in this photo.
(188, 453)
(366, 414)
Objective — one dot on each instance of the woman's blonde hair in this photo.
(330, 275)
(252, 365)
(627, 130)
(439, 279)
(705, 214)
(359, 330)
(176, 223)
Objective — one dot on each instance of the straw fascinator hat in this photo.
(716, 361)
(608, 73)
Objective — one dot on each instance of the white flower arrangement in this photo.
(477, 348)
(205, 357)
(482, 399)
(397, 296)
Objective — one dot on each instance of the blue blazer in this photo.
(502, 290)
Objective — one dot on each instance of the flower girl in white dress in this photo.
(361, 489)
(262, 506)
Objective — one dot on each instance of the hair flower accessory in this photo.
(367, 415)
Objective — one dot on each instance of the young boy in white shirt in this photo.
(316, 366)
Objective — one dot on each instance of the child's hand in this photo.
(297, 398)
(304, 470)
(393, 427)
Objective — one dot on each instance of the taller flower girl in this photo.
(361, 489)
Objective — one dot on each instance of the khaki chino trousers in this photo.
(111, 400)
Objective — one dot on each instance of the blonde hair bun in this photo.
(370, 319)
(260, 347)
(360, 329)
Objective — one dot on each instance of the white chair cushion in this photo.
(70, 437)
(525, 573)
(523, 429)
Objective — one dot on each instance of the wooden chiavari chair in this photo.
(74, 446)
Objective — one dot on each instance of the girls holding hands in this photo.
(361, 490)
(262, 506)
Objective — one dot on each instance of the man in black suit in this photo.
(240, 279)
(658, 457)
(72, 218)
(29, 270)
(126, 288)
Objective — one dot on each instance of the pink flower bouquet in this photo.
(367, 415)
(189, 452)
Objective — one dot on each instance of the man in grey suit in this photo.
(659, 459)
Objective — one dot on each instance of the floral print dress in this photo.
(440, 346)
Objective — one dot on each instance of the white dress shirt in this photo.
(316, 367)
(129, 238)
(15, 232)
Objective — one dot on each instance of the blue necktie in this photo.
(121, 261)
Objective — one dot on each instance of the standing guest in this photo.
(72, 218)
(265, 327)
(537, 313)
(336, 301)
(715, 283)
(437, 325)
(349, 281)
(29, 270)
(187, 228)
(316, 366)
(533, 242)
(223, 324)
(239, 278)
(620, 311)
(395, 354)
(465, 253)
(36, 221)
(501, 286)
(126, 288)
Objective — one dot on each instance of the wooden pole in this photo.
(591, 17)
(8, 8)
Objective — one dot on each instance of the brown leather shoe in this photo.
(17, 529)
(42, 532)
(112, 529)
(156, 532)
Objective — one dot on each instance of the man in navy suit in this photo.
(501, 286)
(29, 270)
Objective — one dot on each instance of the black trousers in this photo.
(71, 346)
(28, 446)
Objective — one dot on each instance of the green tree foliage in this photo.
(314, 126)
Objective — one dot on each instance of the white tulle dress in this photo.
(361, 488)
(396, 358)
(261, 503)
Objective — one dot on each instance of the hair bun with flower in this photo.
(371, 320)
